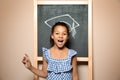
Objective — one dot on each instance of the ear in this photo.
(51, 36)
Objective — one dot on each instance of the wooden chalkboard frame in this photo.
(67, 2)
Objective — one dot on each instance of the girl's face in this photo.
(60, 36)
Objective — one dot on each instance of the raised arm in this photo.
(41, 73)
(75, 68)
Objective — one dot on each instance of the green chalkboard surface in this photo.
(76, 16)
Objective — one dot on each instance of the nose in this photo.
(60, 35)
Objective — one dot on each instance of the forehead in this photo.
(60, 27)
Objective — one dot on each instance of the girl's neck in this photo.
(58, 53)
(57, 48)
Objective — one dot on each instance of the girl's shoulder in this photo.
(72, 52)
(45, 52)
(44, 49)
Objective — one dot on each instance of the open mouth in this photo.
(60, 41)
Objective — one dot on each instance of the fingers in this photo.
(25, 59)
(26, 55)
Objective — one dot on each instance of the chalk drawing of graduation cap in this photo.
(66, 18)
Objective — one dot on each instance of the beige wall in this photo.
(16, 38)
(106, 45)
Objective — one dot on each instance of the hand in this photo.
(26, 61)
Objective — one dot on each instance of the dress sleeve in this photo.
(72, 53)
(45, 53)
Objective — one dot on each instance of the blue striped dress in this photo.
(59, 69)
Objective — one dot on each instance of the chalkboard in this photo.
(76, 16)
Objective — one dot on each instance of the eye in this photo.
(64, 33)
(56, 33)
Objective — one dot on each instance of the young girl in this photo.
(59, 62)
